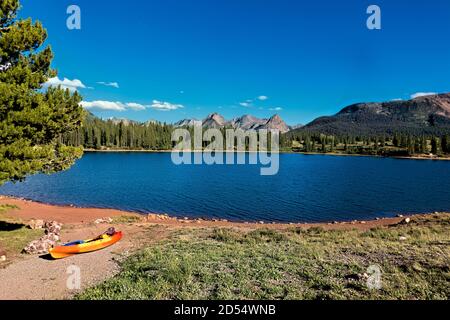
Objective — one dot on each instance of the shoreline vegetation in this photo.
(412, 157)
(161, 257)
(123, 135)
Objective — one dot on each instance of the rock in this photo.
(103, 220)
(406, 221)
(261, 222)
(53, 227)
(40, 246)
(403, 238)
(36, 224)
(362, 222)
(49, 240)
(399, 216)
(2, 255)
(51, 237)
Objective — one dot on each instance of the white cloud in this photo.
(165, 106)
(136, 106)
(112, 105)
(109, 84)
(421, 94)
(276, 109)
(263, 98)
(72, 85)
(398, 99)
(245, 104)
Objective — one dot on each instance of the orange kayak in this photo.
(84, 246)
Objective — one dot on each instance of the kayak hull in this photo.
(88, 246)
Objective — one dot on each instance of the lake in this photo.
(308, 188)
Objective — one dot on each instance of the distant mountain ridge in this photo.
(422, 115)
(246, 122)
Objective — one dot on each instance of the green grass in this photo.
(125, 219)
(291, 264)
(14, 235)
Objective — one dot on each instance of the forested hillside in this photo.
(116, 134)
(112, 134)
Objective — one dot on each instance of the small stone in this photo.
(36, 224)
(261, 222)
(103, 220)
(406, 221)
(362, 222)
(2, 255)
(399, 216)
(335, 222)
(403, 238)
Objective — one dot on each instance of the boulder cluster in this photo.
(46, 242)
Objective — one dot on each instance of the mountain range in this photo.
(428, 115)
(246, 122)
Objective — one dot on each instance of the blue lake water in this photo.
(308, 188)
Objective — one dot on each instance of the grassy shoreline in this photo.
(166, 258)
(229, 264)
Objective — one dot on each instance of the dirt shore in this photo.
(37, 277)
(29, 210)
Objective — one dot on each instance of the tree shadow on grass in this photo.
(8, 226)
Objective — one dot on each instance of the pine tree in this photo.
(32, 120)
(434, 146)
(445, 144)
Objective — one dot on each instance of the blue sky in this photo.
(303, 59)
